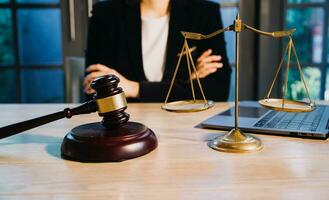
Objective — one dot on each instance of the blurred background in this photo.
(43, 41)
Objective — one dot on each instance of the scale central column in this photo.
(237, 29)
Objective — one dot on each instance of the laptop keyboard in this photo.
(307, 121)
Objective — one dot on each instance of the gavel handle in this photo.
(13, 129)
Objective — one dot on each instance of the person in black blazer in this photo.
(115, 46)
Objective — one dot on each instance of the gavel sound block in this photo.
(113, 139)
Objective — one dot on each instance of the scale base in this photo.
(288, 106)
(236, 141)
(188, 106)
(95, 143)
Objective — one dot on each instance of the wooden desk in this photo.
(182, 167)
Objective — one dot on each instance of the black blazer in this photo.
(114, 40)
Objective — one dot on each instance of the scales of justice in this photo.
(236, 140)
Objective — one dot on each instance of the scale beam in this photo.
(276, 34)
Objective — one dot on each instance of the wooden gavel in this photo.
(98, 142)
(109, 101)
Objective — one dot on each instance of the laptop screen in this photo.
(251, 112)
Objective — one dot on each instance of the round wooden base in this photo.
(94, 143)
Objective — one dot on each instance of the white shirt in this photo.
(154, 46)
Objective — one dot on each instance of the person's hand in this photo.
(131, 88)
(207, 64)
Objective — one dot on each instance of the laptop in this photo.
(255, 119)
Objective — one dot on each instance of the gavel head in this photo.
(111, 101)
